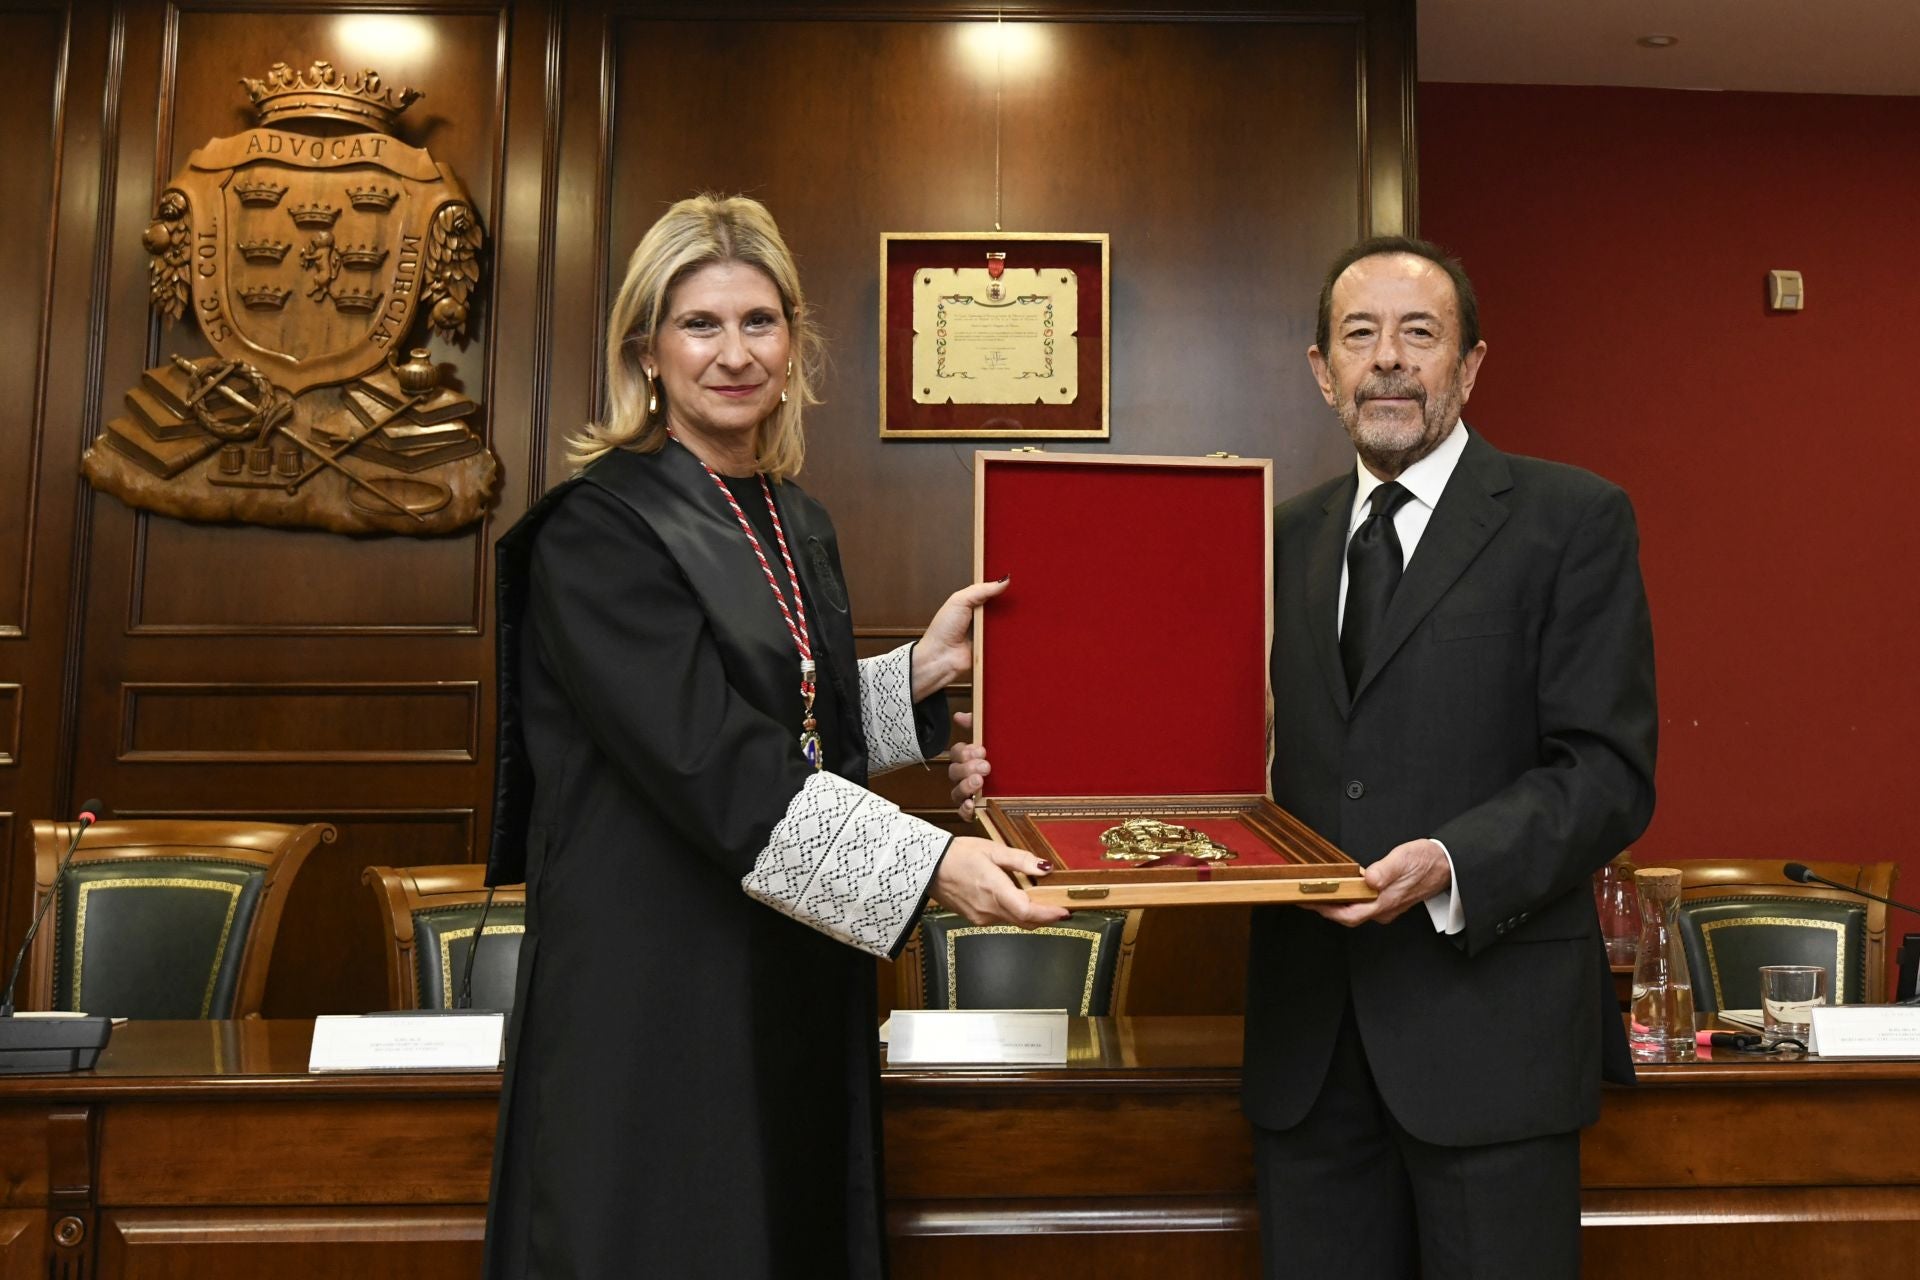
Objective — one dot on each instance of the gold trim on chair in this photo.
(154, 882)
(1053, 931)
(447, 940)
(1836, 977)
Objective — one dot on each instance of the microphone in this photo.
(56, 1043)
(1909, 959)
(1801, 873)
(464, 1000)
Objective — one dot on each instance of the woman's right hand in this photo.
(968, 768)
(975, 879)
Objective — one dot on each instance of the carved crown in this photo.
(263, 250)
(361, 301)
(362, 257)
(265, 297)
(318, 214)
(258, 191)
(321, 93)
(373, 198)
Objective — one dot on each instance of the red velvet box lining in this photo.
(904, 257)
(1129, 656)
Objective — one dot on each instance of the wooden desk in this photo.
(204, 1150)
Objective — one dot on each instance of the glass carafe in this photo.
(1618, 904)
(1661, 1025)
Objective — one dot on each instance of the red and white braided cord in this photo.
(802, 640)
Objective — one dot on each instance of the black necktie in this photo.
(1373, 571)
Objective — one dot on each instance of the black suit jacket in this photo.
(1508, 712)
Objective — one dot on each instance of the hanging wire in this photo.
(999, 81)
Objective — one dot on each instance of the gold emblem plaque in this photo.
(305, 249)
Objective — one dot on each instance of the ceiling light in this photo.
(1657, 42)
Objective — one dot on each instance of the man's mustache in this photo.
(1379, 388)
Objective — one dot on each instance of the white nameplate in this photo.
(1866, 1031)
(408, 1042)
(976, 1037)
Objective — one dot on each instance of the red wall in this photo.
(1620, 240)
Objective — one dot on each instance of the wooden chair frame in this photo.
(1756, 877)
(401, 891)
(910, 970)
(280, 848)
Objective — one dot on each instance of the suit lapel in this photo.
(1324, 559)
(1469, 514)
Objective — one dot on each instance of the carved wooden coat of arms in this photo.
(306, 248)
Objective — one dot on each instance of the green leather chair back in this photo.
(1067, 965)
(153, 937)
(442, 940)
(1729, 938)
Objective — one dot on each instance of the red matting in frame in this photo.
(903, 253)
(1129, 655)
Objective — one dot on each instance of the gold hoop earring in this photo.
(653, 396)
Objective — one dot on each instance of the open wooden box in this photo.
(1124, 675)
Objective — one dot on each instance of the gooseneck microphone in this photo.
(89, 814)
(57, 1043)
(1801, 873)
(1907, 962)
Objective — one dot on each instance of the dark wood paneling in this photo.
(31, 48)
(331, 954)
(1221, 156)
(10, 698)
(293, 723)
(23, 1244)
(208, 581)
(55, 72)
(1227, 150)
(369, 1243)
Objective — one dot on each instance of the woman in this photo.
(685, 738)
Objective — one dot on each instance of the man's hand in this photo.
(974, 879)
(968, 770)
(1409, 875)
(945, 652)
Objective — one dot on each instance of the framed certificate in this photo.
(999, 335)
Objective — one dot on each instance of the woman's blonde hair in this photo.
(694, 233)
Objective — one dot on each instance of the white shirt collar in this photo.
(1426, 479)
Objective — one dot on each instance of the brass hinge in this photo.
(1030, 448)
(1223, 454)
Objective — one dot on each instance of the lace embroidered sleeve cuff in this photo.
(886, 710)
(848, 863)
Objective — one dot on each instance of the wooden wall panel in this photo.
(295, 723)
(1227, 150)
(9, 725)
(31, 45)
(47, 240)
(1221, 156)
(230, 580)
(370, 1244)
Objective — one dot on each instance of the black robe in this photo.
(692, 1062)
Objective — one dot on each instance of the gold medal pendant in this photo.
(809, 727)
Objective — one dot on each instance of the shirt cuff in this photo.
(1444, 907)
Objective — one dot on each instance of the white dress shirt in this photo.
(1425, 480)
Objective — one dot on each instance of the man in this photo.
(1464, 702)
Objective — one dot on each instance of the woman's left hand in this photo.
(945, 653)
